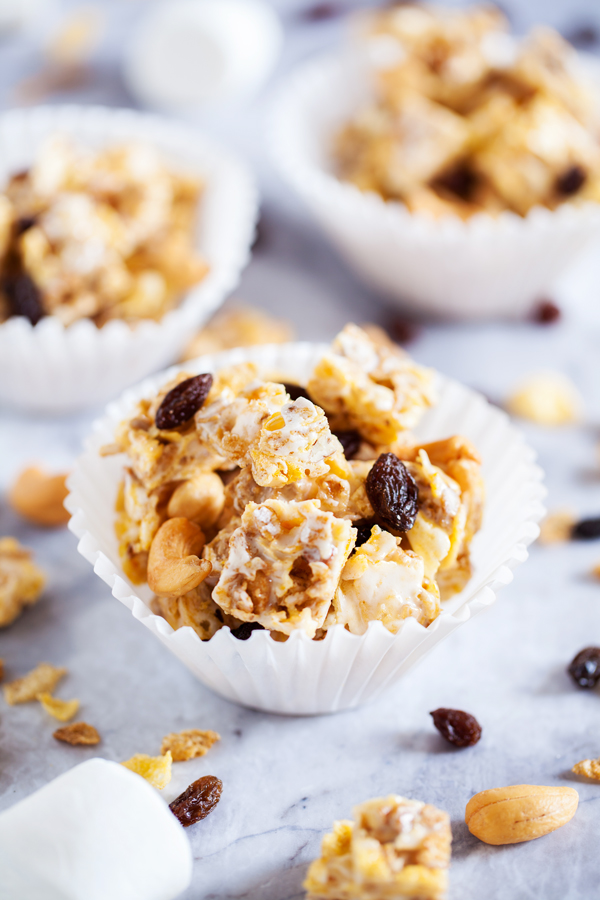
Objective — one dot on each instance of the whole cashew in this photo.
(200, 499)
(38, 497)
(174, 567)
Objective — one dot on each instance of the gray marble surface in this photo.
(286, 780)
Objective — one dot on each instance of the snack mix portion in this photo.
(271, 523)
(21, 582)
(395, 848)
(463, 118)
(97, 234)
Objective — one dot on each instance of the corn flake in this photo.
(155, 769)
(41, 679)
(63, 710)
(188, 744)
(77, 733)
(547, 398)
(588, 767)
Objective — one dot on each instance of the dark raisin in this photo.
(393, 493)
(586, 530)
(583, 36)
(318, 12)
(364, 529)
(546, 312)
(571, 181)
(24, 298)
(243, 631)
(458, 727)
(350, 441)
(197, 801)
(24, 224)
(585, 668)
(403, 331)
(460, 181)
(295, 391)
(183, 401)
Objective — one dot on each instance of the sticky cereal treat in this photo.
(283, 565)
(188, 744)
(155, 769)
(371, 388)
(43, 678)
(396, 848)
(21, 582)
(98, 234)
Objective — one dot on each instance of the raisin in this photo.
(183, 401)
(571, 181)
(295, 391)
(403, 331)
(393, 493)
(197, 801)
(460, 181)
(458, 727)
(24, 224)
(350, 441)
(364, 529)
(24, 298)
(546, 312)
(319, 12)
(586, 530)
(243, 631)
(585, 668)
(584, 36)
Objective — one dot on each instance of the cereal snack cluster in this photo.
(21, 581)
(252, 503)
(395, 848)
(97, 234)
(464, 119)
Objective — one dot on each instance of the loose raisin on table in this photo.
(295, 391)
(546, 312)
(393, 493)
(585, 667)
(243, 631)
(350, 441)
(586, 530)
(571, 181)
(197, 801)
(458, 727)
(24, 298)
(183, 401)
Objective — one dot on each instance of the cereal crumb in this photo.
(588, 767)
(189, 744)
(77, 733)
(63, 710)
(21, 582)
(547, 398)
(43, 678)
(557, 526)
(155, 769)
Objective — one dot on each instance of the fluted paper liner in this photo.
(301, 676)
(485, 266)
(53, 368)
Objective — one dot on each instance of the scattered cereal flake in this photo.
(43, 678)
(77, 36)
(557, 526)
(395, 848)
(189, 744)
(155, 769)
(238, 325)
(21, 582)
(63, 710)
(77, 733)
(547, 398)
(588, 767)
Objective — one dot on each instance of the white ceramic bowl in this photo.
(344, 670)
(53, 368)
(480, 268)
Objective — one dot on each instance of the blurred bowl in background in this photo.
(55, 368)
(483, 267)
(192, 53)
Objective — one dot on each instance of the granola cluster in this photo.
(251, 512)
(394, 848)
(97, 234)
(464, 119)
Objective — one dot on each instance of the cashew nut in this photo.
(200, 499)
(39, 497)
(174, 567)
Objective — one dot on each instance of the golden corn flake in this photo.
(41, 679)
(557, 526)
(77, 733)
(21, 582)
(63, 710)
(588, 767)
(155, 769)
(547, 398)
(189, 744)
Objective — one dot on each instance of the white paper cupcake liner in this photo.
(483, 267)
(344, 670)
(53, 368)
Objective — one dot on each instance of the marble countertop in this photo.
(286, 779)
